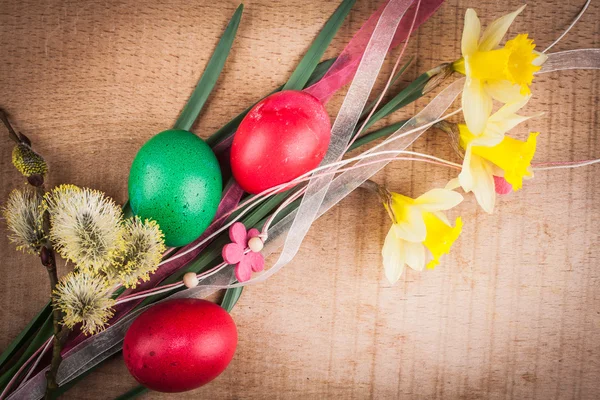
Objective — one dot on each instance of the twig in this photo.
(48, 260)
(60, 335)
(11, 132)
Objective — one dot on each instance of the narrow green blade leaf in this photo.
(127, 211)
(231, 297)
(25, 334)
(229, 128)
(133, 393)
(370, 106)
(401, 99)
(211, 74)
(41, 336)
(320, 71)
(67, 386)
(310, 60)
(369, 137)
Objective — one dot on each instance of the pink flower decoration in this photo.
(502, 187)
(235, 252)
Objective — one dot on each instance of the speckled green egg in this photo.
(175, 180)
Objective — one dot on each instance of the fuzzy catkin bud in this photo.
(27, 161)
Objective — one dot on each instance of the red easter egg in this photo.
(179, 345)
(284, 136)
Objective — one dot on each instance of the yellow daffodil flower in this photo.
(492, 153)
(502, 121)
(493, 72)
(511, 159)
(419, 226)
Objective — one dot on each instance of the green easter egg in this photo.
(175, 180)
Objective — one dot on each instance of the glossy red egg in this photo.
(179, 345)
(284, 136)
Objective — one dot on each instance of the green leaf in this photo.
(63, 388)
(403, 98)
(369, 137)
(229, 128)
(232, 295)
(25, 334)
(133, 393)
(310, 60)
(211, 74)
(320, 71)
(370, 106)
(127, 211)
(42, 335)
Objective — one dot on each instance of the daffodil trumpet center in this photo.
(511, 155)
(440, 237)
(513, 63)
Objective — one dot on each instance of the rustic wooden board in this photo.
(513, 312)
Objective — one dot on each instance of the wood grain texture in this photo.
(512, 313)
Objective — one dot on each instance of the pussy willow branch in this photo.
(60, 335)
(49, 261)
(11, 132)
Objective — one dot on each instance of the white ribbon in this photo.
(572, 59)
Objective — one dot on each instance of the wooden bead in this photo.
(255, 244)
(190, 280)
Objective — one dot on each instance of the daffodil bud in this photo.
(27, 161)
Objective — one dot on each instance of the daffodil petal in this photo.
(511, 107)
(495, 130)
(465, 178)
(471, 33)
(493, 34)
(531, 174)
(438, 200)
(492, 136)
(476, 104)
(483, 183)
(412, 229)
(540, 60)
(504, 91)
(442, 217)
(393, 257)
(452, 184)
(503, 121)
(415, 255)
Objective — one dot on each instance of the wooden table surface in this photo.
(513, 312)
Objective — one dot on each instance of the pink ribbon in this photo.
(343, 69)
